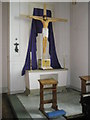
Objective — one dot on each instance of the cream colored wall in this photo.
(62, 35)
(74, 42)
(0, 60)
(79, 43)
(0, 47)
(20, 29)
(89, 38)
(5, 37)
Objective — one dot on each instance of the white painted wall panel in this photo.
(16, 80)
(0, 48)
(0, 60)
(62, 35)
(79, 43)
(5, 39)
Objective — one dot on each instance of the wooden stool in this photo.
(54, 93)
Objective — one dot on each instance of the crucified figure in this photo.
(45, 21)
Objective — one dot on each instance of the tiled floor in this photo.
(68, 101)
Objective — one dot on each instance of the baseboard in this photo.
(75, 88)
(35, 91)
(16, 92)
(61, 89)
(4, 89)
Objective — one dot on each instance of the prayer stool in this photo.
(52, 83)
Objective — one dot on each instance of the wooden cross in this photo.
(45, 21)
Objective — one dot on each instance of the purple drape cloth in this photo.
(36, 28)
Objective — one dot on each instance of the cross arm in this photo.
(32, 17)
(56, 19)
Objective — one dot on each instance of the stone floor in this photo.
(67, 100)
(11, 103)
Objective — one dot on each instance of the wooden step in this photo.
(49, 88)
(47, 101)
(18, 108)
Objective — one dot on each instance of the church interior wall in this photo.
(20, 29)
(5, 40)
(88, 41)
(1, 48)
(62, 35)
(78, 43)
(69, 42)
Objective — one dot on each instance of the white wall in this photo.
(71, 43)
(20, 29)
(0, 47)
(5, 36)
(0, 60)
(62, 35)
(75, 38)
(16, 62)
(89, 38)
(79, 43)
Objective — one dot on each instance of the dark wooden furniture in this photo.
(85, 96)
(52, 85)
(84, 80)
